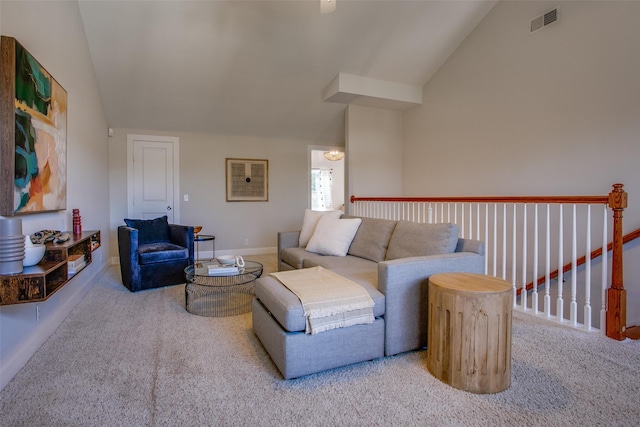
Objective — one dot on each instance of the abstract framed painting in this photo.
(247, 180)
(33, 134)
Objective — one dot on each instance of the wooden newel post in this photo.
(616, 295)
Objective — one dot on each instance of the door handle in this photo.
(168, 208)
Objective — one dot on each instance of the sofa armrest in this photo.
(404, 282)
(128, 253)
(182, 235)
(286, 239)
(469, 245)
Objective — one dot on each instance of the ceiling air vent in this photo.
(539, 22)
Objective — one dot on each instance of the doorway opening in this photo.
(326, 181)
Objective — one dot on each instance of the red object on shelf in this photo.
(77, 222)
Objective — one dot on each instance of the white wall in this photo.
(53, 34)
(555, 112)
(374, 151)
(202, 177)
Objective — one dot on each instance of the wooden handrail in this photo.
(616, 201)
(490, 199)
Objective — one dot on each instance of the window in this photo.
(321, 182)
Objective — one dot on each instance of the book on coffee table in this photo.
(216, 269)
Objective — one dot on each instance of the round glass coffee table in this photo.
(218, 295)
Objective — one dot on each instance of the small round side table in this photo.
(205, 238)
(469, 342)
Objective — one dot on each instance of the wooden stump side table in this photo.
(469, 343)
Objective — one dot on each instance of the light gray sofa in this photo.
(392, 261)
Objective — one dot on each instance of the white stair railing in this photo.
(524, 236)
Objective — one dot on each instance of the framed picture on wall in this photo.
(247, 180)
(33, 128)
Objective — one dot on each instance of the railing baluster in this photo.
(504, 241)
(478, 224)
(495, 238)
(534, 294)
(524, 292)
(573, 307)
(560, 301)
(587, 279)
(513, 254)
(605, 277)
(486, 238)
(547, 266)
(470, 221)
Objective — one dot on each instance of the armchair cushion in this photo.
(160, 252)
(150, 230)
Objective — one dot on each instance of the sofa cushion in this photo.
(285, 306)
(333, 236)
(358, 269)
(161, 252)
(372, 239)
(296, 256)
(410, 239)
(309, 222)
(150, 230)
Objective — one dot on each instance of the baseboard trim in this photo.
(243, 252)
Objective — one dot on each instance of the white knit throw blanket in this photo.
(328, 300)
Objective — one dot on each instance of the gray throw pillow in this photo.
(411, 239)
(372, 239)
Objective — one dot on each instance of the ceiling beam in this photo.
(352, 89)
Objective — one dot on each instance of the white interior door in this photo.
(153, 188)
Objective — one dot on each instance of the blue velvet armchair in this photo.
(154, 253)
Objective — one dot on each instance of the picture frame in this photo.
(247, 180)
(33, 134)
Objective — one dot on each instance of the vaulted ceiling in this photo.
(259, 67)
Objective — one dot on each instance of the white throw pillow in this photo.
(333, 236)
(309, 224)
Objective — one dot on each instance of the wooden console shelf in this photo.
(39, 282)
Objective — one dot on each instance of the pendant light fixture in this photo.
(334, 155)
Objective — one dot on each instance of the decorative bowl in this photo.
(227, 259)
(33, 255)
(197, 229)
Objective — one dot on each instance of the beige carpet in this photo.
(123, 359)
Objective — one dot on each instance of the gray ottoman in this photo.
(279, 323)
